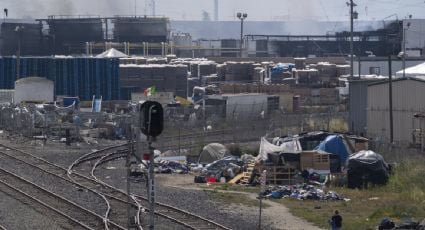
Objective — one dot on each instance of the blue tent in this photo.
(334, 144)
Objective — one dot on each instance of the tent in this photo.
(112, 53)
(367, 167)
(334, 144)
(213, 152)
(414, 71)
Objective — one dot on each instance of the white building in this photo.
(34, 89)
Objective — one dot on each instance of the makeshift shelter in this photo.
(289, 146)
(112, 53)
(334, 144)
(367, 167)
(213, 152)
(414, 71)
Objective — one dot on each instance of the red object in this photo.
(146, 156)
(211, 180)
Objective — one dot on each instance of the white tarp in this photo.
(112, 53)
(417, 70)
(213, 152)
(266, 147)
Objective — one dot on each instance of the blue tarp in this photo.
(282, 67)
(334, 144)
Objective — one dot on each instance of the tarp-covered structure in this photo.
(367, 167)
(414, 71)
(213, 152)
(335, 144)
(266, 148)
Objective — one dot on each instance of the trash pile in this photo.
(387, 223)
(168, 167)
(221, 170)
(301, 192)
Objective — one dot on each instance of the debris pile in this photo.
(301, 192)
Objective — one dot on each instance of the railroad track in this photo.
(60, 172)
(112, 194)
(79, 215)
(179, 216)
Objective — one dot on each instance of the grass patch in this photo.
(403, 197)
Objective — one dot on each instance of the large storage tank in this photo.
(141, 29)
(69, 35)
(34, 89)
(32, 42)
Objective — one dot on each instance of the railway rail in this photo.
(79, 215)
(115, 197)
(60, 172)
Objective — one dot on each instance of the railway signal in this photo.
(151, 118)
(151, 124)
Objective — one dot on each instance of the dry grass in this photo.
(402, 198)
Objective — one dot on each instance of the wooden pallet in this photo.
(236, 179)
(246, 177)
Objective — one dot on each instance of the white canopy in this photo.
(266, 147)
(414, 71)
(112, 53)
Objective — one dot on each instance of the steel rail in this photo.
(213, 224)
(57, 167)
(99, 219)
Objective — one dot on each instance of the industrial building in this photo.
(142, 35)
(82, 77)
(67, 35)
(408, 99)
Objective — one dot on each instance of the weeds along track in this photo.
(82, 217)
(81, 190)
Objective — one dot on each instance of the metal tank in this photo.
(141, 29)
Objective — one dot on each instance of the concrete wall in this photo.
(6, 96)
(34, 89)
(408, 99)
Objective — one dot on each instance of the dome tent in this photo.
(213, 152)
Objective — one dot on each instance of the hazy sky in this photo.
(325, 10)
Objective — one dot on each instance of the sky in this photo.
(257, 10)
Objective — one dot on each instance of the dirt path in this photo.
(276, 213)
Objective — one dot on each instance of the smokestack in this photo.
(215, 10)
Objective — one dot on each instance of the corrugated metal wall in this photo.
(82, 77)
(357, 107)
(408, 99)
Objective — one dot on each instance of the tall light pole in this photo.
(404, 47)
(18, 30)
(242, 17)
(353, 15)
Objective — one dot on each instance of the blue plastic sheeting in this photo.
(334, 144)
(74, 77)
(281, 68)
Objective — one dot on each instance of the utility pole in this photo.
(353, 15)
(404, 47)
(390, 96)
